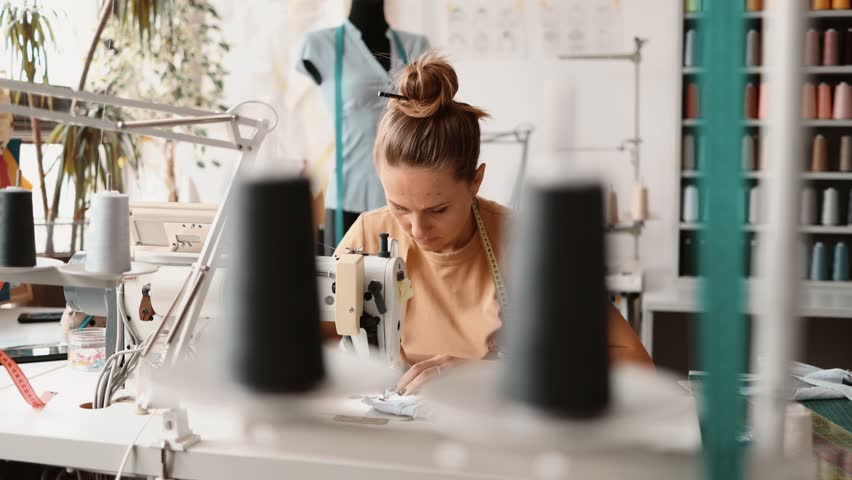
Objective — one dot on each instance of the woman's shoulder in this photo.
(375, 222)
(493, 213)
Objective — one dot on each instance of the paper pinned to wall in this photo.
(571, 27)
(486, 29)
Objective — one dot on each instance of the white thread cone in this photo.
(690, 204)
(109, 238)
(830, 207)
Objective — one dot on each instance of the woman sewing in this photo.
(426, 155)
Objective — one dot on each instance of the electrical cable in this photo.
(121, 377)
(122, 311)
(121, 466)
(107, 370)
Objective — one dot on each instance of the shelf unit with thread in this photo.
(831, 129)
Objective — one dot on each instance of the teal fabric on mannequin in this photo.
(362, 78)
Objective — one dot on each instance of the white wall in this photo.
(569, 103)
(586, 104)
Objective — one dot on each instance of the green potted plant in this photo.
(28, 34)
(181, 65)
(88, 153)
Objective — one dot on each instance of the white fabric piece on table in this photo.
(814, 383)
(402, 405)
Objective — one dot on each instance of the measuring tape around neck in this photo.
(496, 274)
(20, 381)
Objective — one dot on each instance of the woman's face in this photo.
(432, 205)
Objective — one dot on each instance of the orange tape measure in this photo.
(20, 381)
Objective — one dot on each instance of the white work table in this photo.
(818, 300)
(64, 434)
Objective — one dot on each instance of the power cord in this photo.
(126, 456)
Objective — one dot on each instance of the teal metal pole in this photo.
(722, 325)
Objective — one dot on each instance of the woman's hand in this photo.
(422, 372)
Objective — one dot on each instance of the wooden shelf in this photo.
(746, 15)
(843, 176)
(827, 123)
(829, 14)
(828, 70)
(838, 176)
(697, 122)
(827, 230)
(760, 70)
(747, 175)
(808, 229)
(760, 14)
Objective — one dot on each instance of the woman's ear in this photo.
(478, 176)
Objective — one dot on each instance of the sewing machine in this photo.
(364, 295)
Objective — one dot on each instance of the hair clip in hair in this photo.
(392, 95)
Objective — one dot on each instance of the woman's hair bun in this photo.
(429, 83)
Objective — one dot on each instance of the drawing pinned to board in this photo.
(486, 28)
(571, 27)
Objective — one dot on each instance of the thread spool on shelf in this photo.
(831, 47)
(639, 203)
(819, 156)
(809, 101)
(819, 263)
(692, 101)
(749, 153)
(809, 213)
(611, 206)
(845, 161)
(17, 230)
(688, 152)
(754, 5)
(824, 107)
(830, 207)
(752, 58)
(762, 101)
(692, 6)
(690, 204)
(840, 270)
(690, 49)
(843, 102)
(750, 100)
(754, 212)
(812, 53)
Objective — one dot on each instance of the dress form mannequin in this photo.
(350, 63)
(369, 17)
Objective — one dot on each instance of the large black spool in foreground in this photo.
(556, 335)
(17, 235)
(273, 342)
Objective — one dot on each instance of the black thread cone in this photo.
(556, 333)
(273, 343)
(17, 235)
